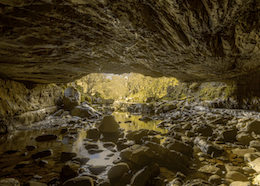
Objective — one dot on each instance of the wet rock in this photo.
(66, 156)
(9, 182)
(208, 148)
(145, 119)
(124, 145)
(46, 137)
(253, 126)
(203, 129)
(108, 125)
(34, 183)
(169, 158)
(93, 134)
(197, 182)
(215, 179)
(96, 170)
(81, 181)
(244, 138)
(42, 154)
(233, 168)
(236, 176)
(142, 177)
(241, 152)
(138, 135)
(81, 160)
(240, 183)
(109, 144)
(30, 147)
(117, 171)
(255, 144)
(94, 151)
(85, 111)
(255, 164)
(91, 145)
(210, 169)
(138, 154)
(229, 135)
(248, 170)
(71, 98)
(179, 146)
(69, 170)
(151, 139)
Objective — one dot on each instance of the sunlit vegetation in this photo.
(131, 87)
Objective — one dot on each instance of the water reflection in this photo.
(133, 122)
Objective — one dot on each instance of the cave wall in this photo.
(59, 41)
(23, 105)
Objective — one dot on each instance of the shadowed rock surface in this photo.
(58, 41)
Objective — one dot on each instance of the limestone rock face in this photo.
(59, 41)
(27, 103)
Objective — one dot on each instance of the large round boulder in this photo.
(108, 125)
(71, 98)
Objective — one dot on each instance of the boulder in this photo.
(91, 145)
(81, 181)
(215, 179)
(203, 129)
(108, 125)
(71, 98)
(229, 135)
(138, 154)
(9, 182)
(241, 152)
(69, 170)
(147, 173)
(255, 164)
(117, 171)
(93, 134)
(181, 147)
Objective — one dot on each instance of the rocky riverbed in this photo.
(181, 144)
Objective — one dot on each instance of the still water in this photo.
(72, 141)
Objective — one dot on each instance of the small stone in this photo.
(91, 145)
(109, 144)
(209, 169)
(96, 170)
(42, 163)
(94, 151)
(81, 160)
(42, 154)
(63, 131)
(30, 147)
(46, 137)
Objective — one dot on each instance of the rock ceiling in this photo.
(194, 40)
